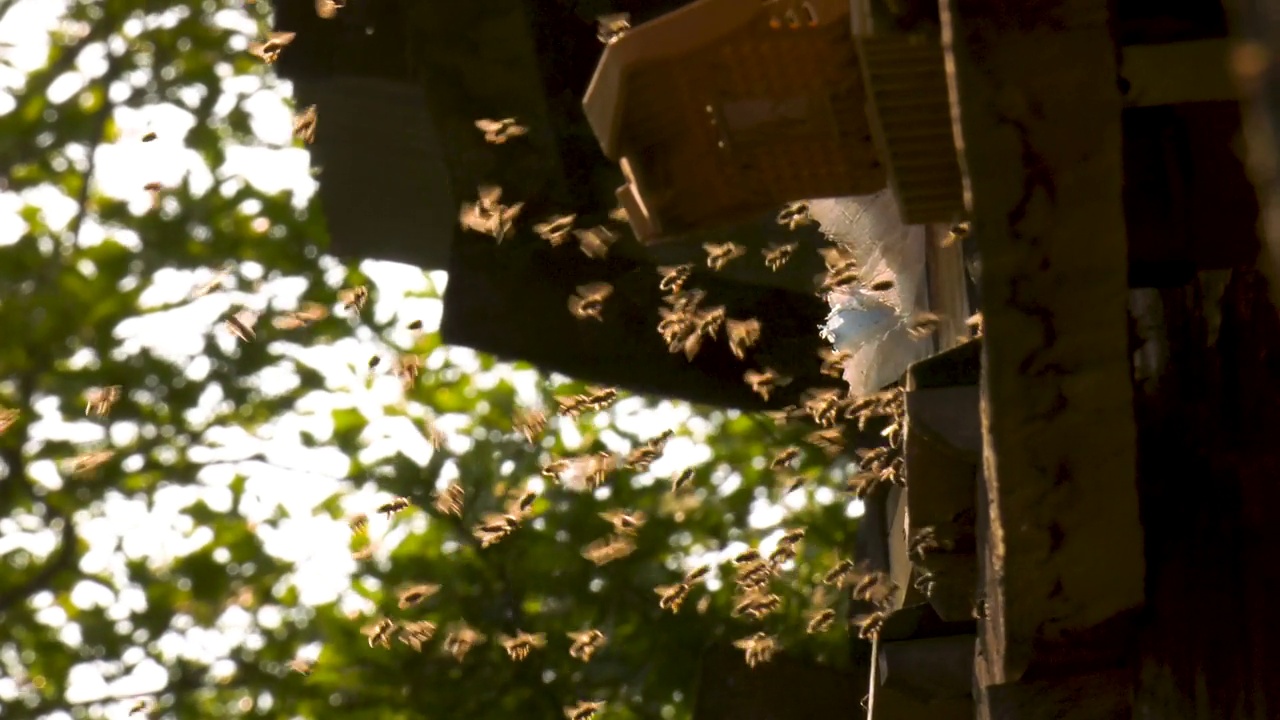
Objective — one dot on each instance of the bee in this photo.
(756, 604)
(139, 707)
(674, 276)
(353, 299)
(595, 241)
(882, 286)
(588, 302)
(358, 523)
(923, 324)
(819, 620)
(460, 640)
(215, 283)
(8, 416)
(305, 315)
(742, 334)
(364, 553)
(611, 27)
(415, 326)
(593, 400)
(85, 463)
(785, 457)
(433, 433)
(394, 506)
(379, 633)
(304, 124)
(488, 216)
(529, 423)
(747, 556)
(619, 215)
(328, 9)
(416, 633)
(498, 132)
(415, 594)
(101, 400)
(974, 323)
(764, 382)
(583, 710)
(522, 644)
(624, 523)
(586, 643)
(791, 481)
(150, 136)
(719, 255)
(640, 458)
(958, 233)
(869, 624)
(682, 479)
(606, 550)
(795, 214)
(154, 189)
(839, 574)
(449, 500)
(833, 361)
(301, 666)
(758, 648)
(494, 527)
(556, 229)
(521, 504)
(407, 367)
(775, 256)
(791, 537)
(875, 588)
(695, 575)
(671, 597)
(270, 50)
(754, 575)
(829, 440)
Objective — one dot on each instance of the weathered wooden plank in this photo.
(1037, 114)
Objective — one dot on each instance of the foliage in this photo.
(68, 292)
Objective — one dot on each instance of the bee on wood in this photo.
(819, 620)
(270, 50)
(794, 215)
(415, 594)
(923, 324)
(101, 400)
(522, 644)
(606, 550)
(881, 286)
(586, 643)
(498, 132)
(449, 500)
(8, 416)
(671, 597)
(611, 27)
(764, 382)
(758, 648)
(721, 254)
(974, 323)
(301, 666)
(488, 216)
(304, 124)
(775, 256)
(417, 633)
(305, 315)
(583, 710)
(588, 302)
(328, 9)
(394, 506)
(154, 189)
(460, 640)
(529, 423)
(379, 633)
(640, 458)
(358, 523)
(958, 233)
(624, 523)
(674, 276)
(555, 230)
(682, 479)
(595, 241)
(785, 457)
(353, 299)
(742, 334)
(869, 624)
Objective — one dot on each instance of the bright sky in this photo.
(297, 478)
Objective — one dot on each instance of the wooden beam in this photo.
(1036, 110)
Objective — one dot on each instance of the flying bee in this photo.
(791, 481)
(608, 549)
(619, 215)
(415, 594)
(270, 50)
(611, 27)
(586, 643)
(85, 463)
(747, 556)
(304, 124)
(460, 640)
(498, 132)
(364, 553)
(759, 648)
(795, 214)
(394, 506)
(494, 527)
(379, 633)
(923, 324)
(522, 644)
(407, 367)
(556, 229)
(829, 440)
(101, 400)
(301, 666)
(695, 575)
(214, 284)
(875, 588)
(775, 256)
(139, 707)
(588, 302)
(674, 276)
(764, 382)
(358, 523)
(353, 299)
(782, 554)
(149, 136)
(583, 710)
(624, 523)
(529, 423)
(417, 633)
(839, 574)
(791, 537)
(641, 457)
(8, 416)
(756, 605)
(595, 241)
(958, 233)
(869, 624)
(433, 433)
(671, 597)
(719, 255)
(742, 335)
(682, 479)
(305, 315)
(449, 500)
(328, 9)
(785, 457)
(833, 361)
(487, 215)
(820, 620)
(521, 504)
(154, 189)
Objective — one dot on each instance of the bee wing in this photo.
(489, 194)
(488, 126)
(596, 290)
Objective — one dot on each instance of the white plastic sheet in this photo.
(872, 326)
